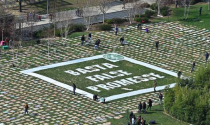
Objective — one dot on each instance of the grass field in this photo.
(193, 19)
(82, 82)
(156, 114)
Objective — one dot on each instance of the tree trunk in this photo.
(103, 17)
(158, 8)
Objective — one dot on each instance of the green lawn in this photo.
(82, 82)
(178, 15)
(156, 114)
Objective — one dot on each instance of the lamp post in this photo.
(20, 5)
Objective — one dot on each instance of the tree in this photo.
(186, 4)
(104, 7)
(88, 10)
(139, 9)
(65, 24)
(159, 6)
(131, 10)
(6, 21)
(54, 13)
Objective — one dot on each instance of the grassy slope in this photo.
(178, 15)
(155, 114)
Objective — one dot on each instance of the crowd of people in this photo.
(143, 108)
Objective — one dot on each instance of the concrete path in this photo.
(115, 11)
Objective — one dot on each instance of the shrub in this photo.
(146, 5)
(154, 6)
(105, 27)
(109, 21)
(119, 20)
(57, 33)
(149, 13)
(76, 28)
(145, 19)
(164, 11)
(195, 1)
(37, 34)
(191, 103)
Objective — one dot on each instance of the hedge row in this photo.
(44, 33)
(115, 21)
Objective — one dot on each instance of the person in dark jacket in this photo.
(116, 30)
(97, 43)
(89, 36)
(150, 104)
(157, 45)
(121, 40)
(82, 39)
(207, 56)
(131, 116)
(140, 107)
(160, 97)
(144, 107)
(74, 88)
(179, 74)
(193, 67)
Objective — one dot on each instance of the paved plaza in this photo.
(49, 104)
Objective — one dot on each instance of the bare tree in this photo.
(139, 9)
(104, 6)
(131, 10)
(30, 24)
(53, 13)
(159, 6)
(65, 23)
(88, 11)
(6, 20)
(186, 4)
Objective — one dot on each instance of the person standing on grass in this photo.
(207, 56)
(131, 116)
(144, 107)
(139, 26)
(193, 67)
(89, 36)
(82, 39)
(200, 11)
(176, 3)
(116, 30)
(133, 120)
(155, 85)
(156, 45)
(139, 120)
(26, 108)
(150, 104)
(121, 39)
(74, 88)
(179, 73)
(140, 107)
(160, 97)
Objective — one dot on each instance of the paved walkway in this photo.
(115, 11)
